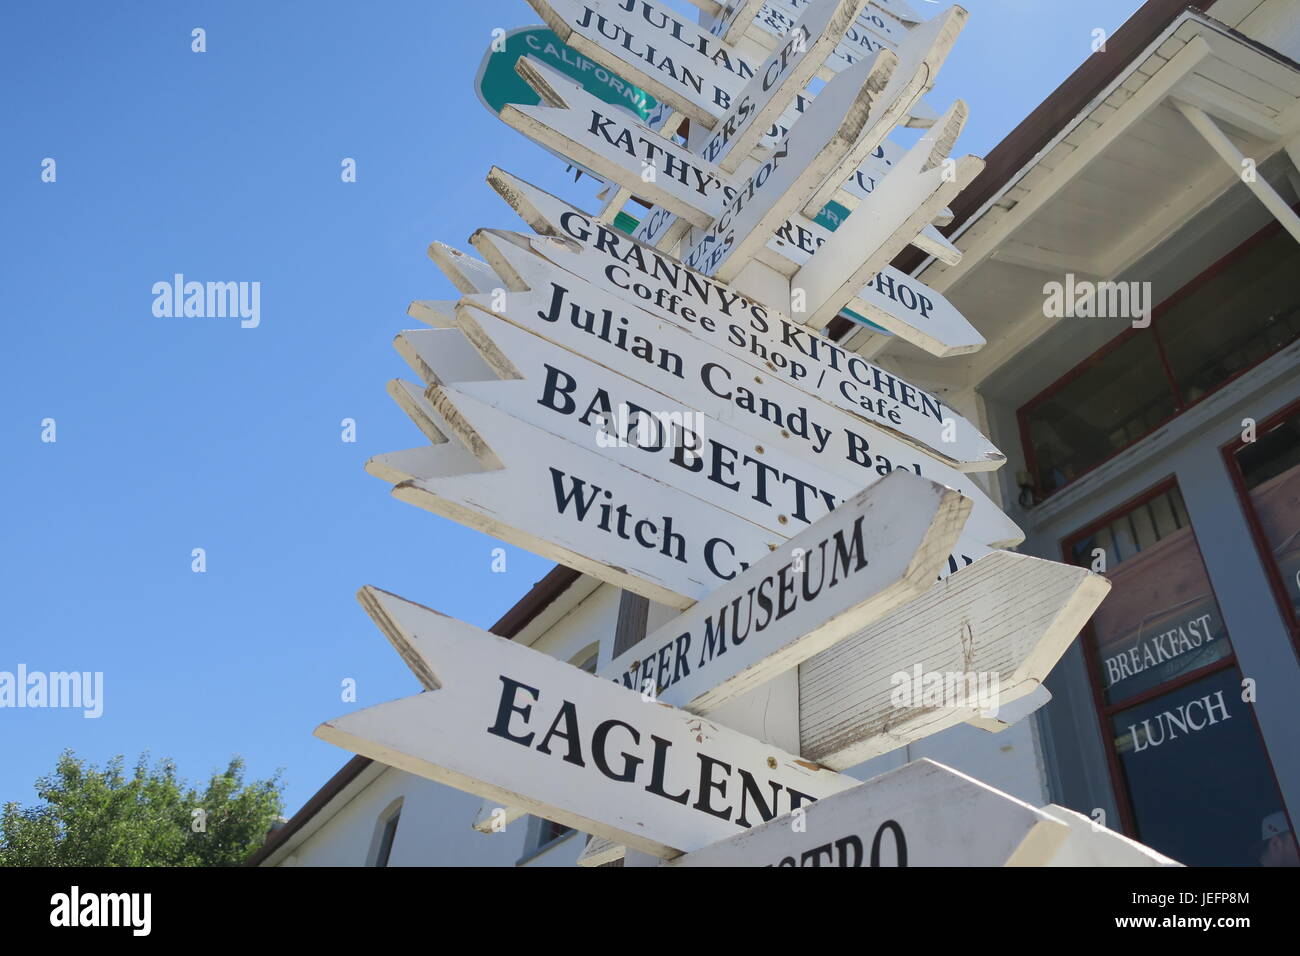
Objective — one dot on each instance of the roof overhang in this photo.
(1117, 180)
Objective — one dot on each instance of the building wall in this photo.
(1189, 449)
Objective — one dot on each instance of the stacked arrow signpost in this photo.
(662, 411)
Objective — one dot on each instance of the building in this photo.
(1130, 254)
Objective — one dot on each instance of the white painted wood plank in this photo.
(465, 272)
(410, 398)
(887, 221)
(1091, 845)
(687, 373)
(784, 181)
(794, 61)
(900, 303)
(1008, 615)
(440, 313)
(442, 355)
(920, 56)
(512, 724)
(922, 814)
(562, 501)
(654, 47)
(874, 553)
(615, 146)
(604, 249)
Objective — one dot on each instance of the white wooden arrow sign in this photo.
(866, 35)
(440, 313)
(920, 56)
(1008, 617)
(875, 553)
(615, 146)
(893, 299)
(991, 631)
(687, 374)
(784, 181)
(885, 222)
(777, 82)
(577, 125)
(861, 39)
(666, 441)
(676, 60)
(922, 814)
(845, 124)
(576, 506)
(466, 273)
(759, 336)
(1091, 845)
(794, 602)
(900, 303)
(518, 726)
(976, 643)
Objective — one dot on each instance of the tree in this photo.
(92, 817)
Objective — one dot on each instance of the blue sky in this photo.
(183, 433)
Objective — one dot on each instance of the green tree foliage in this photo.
(93, 817)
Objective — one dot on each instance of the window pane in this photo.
(1198, 779)
(1270, 467)
(1238, 317)
(386, 841)
(1192, 766)
(1160, 619)
(1117, 399)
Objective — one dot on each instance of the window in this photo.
(1266, 472)
(1103, 406)
(1191, 775)
(386, 840)
(1234, 316)
(381, 844)
(1229, 319)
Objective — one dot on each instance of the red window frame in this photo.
(1092, 659)
(1180, 405)
(1265, 550)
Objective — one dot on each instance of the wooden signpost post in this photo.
(678, 427)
